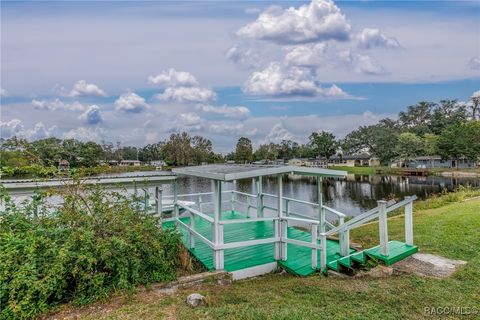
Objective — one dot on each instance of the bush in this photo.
(94, 243)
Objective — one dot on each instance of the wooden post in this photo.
(383, 227)
(321, 211)
(217, 228)
(260, 197)
(158, 202)
(279, 225)
(314, 241)
(323, 253)
(409, 221)
(344, 240)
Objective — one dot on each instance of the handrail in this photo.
(401, 204)
(301, 220)
(338, 213)
(245, 194)
(292, 199)
(198, 213)
(189, 194)
(234, 221)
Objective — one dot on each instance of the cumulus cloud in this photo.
(474, 63)
(92, 115)
(189, 119)
(276, 134)
(3, 93)
(131, 102)
(227, 111)
(173, 78)
(187, 94)
(371, 38)
(243, 56)
(317, 21)
(360, 63)
(85, 134)
(279, 80)
(57, 104)
(306, 55)
(80, 89)
(226, 128)
(15, 127)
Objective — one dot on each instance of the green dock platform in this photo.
(298, 258)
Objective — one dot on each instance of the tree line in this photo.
(448, 128)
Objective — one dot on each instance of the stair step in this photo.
(359, 257)
(333, 265)
(345, 261)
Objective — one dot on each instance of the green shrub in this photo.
(94, 243)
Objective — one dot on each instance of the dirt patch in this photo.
(429, 265)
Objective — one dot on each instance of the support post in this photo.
(323, 253)
(158, 202)
(409, 221)
(280, 228)
(232, 196)
(192, 226)
(383, 227)
(146, 200)
(176, 212)
(344, 240)
(287, 207)
(260, 197)
(218, 254)
(314, 241)
(321, 211)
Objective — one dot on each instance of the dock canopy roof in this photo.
(229, 172)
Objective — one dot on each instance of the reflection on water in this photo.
(352, 195)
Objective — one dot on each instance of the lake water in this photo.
(352, 195)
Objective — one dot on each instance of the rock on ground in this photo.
(195, 300)
(429, 265)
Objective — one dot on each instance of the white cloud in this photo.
(92, 115)
(173, 78)
(189, 119)
(476, 94)
(360, 63)
(474, 63)
(3, 92)
(11, 128)
(187, 94)
(279, 80)
(56, 105)
(226, 128)
(319, 20)
(244, 57)
(85, 134)
(307, 55)
(131, 102)
(276, 134)
(227, 111)
(15, 127)
(371, 38)
(81, 89)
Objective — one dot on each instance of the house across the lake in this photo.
(343, 161)
(434, 162)
(134, 163)
(63, 165)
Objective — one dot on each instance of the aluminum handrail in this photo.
(336, 212)
(196, 212)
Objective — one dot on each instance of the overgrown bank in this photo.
(93, 244)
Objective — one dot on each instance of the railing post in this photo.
(192, 226)
(314, 250)
(383, 227)
(321, 210)
(176, 213)
(158, 202)
(232, 199)
(146, 200)
(260, 197)
(218, 254)
(344, 240)
(323, 253)
(287, 205)
(280, 246)
(409, 221)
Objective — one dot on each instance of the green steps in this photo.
(397, 251)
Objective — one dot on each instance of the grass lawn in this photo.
(452, 231)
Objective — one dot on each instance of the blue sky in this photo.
(137, 71)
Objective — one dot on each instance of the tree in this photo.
(459, 141)
(47, 150)
(288, 149)
(447, 113)
(244, 150)
(323, 143)
(417, 118)
(91, 153)
(408, 146)
(475, 105)
(71, 150)
(430, 144)
(201, 149)
(379, 140)
(266, 152)
(178, 149)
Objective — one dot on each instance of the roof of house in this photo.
(229, 172)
